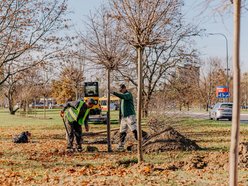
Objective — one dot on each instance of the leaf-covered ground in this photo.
(44, 161)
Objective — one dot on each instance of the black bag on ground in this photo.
(22, 138)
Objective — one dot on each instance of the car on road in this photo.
(221, 111)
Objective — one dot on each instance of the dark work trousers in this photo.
(73, 129)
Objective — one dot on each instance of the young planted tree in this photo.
(234, 151)
(220, 8)
(104, 47)
(237, 5)
(144, 23)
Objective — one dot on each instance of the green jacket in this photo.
(127, 106)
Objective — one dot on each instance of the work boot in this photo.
(69, 149)
(79, 149)
(121, 148)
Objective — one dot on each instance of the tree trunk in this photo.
(236, 99)
(145, 112)
(145, 107)
(139, 103)
(26, 106)
(108, 114)
(44, 107)
(180, 106)
(11, 107)
(9, 96)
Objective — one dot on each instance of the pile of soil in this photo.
(167, 140)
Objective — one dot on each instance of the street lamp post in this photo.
(227, 83)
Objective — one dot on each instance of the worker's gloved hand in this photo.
(62, 113)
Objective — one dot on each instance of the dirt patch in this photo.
(213, 161)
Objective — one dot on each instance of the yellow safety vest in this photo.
(72, 114)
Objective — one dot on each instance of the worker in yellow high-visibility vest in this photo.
(76, 114)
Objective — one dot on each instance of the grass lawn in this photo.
(45, 162)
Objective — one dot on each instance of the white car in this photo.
(221, 111)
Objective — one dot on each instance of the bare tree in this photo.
(21, 88)
(27, 33)
(145, 25)
(159, 62)
(10, 91)
(148, 24)
(183, 85)
(104, 47)
(212, 75)
(30, 87)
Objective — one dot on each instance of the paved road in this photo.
(205, 115)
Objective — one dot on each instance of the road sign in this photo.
(222, 92)
(223, 95)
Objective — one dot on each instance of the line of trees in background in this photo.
(35, 61)
(29, 45)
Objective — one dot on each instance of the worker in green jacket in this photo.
(128, 118)
(76, 114)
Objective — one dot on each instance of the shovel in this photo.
(65, 127)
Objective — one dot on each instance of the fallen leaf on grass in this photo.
(82, 171)
(146, 170)
(71, 170)
(85, 182)
(56, 169)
